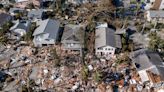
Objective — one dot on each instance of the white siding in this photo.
(43, 39)
(143, 75)
(148, 16)
(71, 45)
(106, 51)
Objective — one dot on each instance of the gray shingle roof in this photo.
(71, 32)
(35, 13)
(48, 26)
(161, 72)
(146, 58)
(107, 37)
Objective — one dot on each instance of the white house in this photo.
(46, 33)
(153, 15)
(106, 42)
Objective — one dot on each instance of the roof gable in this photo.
(107, 37)
(73, 37)
(73, 32)
(145, 59)
(48, 26)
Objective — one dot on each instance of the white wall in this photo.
(71, 45)
(162, 5)
(42, 39)
(148, 16)
(143, 75)
(106, 51)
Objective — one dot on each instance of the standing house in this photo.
(46, 33)
(107, 42)
(21, 27)
(73, 37)
(153, 15)
(149, 66)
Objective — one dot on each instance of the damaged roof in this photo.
(72, 32)
(145, 59)
(36, 13)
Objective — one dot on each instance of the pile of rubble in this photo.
(38, 65)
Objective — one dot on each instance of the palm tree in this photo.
(97, 76)
(84, 73)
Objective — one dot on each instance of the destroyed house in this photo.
(149, 66)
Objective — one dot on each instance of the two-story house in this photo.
(47, 32)
(107, 42)
(73, 37)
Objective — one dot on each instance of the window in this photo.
(72, 44)
(99, 48)
(47, 39)
(152, 3)
(108, 48)
(148, 1)
(69, 45)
